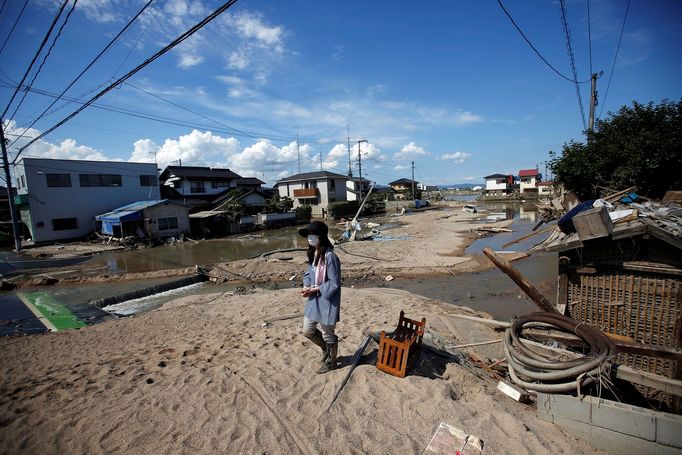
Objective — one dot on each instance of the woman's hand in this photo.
(307, 292)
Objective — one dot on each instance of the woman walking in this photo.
(322, 288)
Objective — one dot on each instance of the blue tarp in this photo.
(130, 212)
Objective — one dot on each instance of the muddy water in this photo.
(187, 254)
(492, 291)
(489, 291)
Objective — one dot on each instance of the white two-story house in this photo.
(498, 184)
(316, 189)
(59, 199)
(528, 180)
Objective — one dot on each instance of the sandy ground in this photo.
(204, 374)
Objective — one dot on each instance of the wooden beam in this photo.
(527, 287)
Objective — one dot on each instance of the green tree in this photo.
(637, 146)
(278, 204)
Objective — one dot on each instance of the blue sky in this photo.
(450, 85)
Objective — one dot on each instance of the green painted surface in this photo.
(53, 310)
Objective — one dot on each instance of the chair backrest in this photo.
(411, 326)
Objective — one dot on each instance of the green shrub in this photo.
(303, 212)
(342, 208)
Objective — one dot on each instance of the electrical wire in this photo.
(35, 57)
(111, 43)
(21, 13)
(134, 71)
(575, 81)
(173, 121)
(615, 57)
(47, 55)
(571, 59)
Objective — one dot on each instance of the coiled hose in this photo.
(543, 374)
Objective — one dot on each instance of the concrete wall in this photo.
(83, 203)
(527, 183)
(492, 185)
(614, 427)
(167, 211)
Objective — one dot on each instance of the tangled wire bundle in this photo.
(543, 374)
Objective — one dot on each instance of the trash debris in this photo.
(448, 440)
(389, 278)
(292, 277)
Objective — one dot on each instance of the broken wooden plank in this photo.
(527, 287)
(513, 392)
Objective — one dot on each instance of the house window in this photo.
(23, 181)
(64, 224)
(197, 187)
(91, 180)
(332, 184)
(312, 184)
(222, 184)
(58, 180)
(18, 183)
(147, 180)
(166, 224)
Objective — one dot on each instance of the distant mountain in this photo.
(467, 186)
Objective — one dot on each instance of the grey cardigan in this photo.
(324, 307)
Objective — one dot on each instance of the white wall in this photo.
(167, 211)
(492, 185)
(83, 203)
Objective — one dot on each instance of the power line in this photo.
(122, 79)
(13, 26)
(111, 43)
(571, 59)
(47, 54)
(615, 57)
(35, 57)
(534, 49)
(166, 120)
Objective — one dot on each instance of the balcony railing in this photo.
(306, 192)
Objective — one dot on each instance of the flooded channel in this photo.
(489, 291)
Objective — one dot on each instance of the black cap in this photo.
(315, 228)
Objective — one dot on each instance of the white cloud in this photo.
(194, 149)
(338, 52)
(457, 157)
(466, 117)
(251, 25)
(400, 167)
(410, 150)
(67, 149)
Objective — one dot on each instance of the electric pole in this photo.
(414, 195)
(593, 98)
(298, 152)
(350, 166)
(8, 178)
(320, 160)
(360, 166)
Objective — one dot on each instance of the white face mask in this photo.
(313, 240)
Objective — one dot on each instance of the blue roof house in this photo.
(146, 219)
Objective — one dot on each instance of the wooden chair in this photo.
(398, 350)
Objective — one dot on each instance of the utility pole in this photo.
(320, 160)
(360, 166)
(8, 178)
(298, 152)
(350, 166)
(414, 195)
(593, 98)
